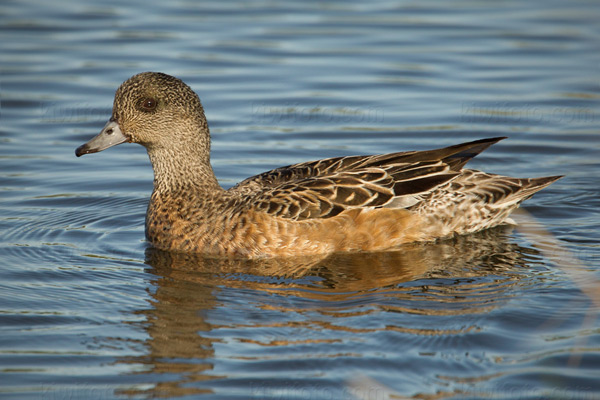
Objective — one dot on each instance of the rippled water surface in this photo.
(89, 310)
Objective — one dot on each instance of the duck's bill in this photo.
(110, 136)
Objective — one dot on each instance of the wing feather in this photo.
(325, 188)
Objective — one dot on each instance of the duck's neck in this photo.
(183, 167)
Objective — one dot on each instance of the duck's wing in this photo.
(325, 188)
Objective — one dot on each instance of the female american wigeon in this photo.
(356, 203)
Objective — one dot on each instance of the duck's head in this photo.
(155, 110)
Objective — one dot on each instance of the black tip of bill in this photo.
(81, 150)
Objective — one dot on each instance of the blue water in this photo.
(89, 310)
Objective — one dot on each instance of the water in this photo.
(88, 310)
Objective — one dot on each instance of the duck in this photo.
(358, 203)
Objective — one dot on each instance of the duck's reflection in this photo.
(194, 297)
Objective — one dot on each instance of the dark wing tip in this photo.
(466, 151)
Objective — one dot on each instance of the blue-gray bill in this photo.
(111, 135)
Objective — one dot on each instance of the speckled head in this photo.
(155, 110)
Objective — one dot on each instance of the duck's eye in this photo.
(148, 104)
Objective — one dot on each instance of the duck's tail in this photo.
(521, 189)
(477, 200)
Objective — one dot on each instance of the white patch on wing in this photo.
(402, 202)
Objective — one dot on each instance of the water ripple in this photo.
(89, 310)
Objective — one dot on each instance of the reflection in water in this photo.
(263, 309)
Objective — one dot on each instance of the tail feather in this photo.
(526, 188)
(477, 200)
(536, 184)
